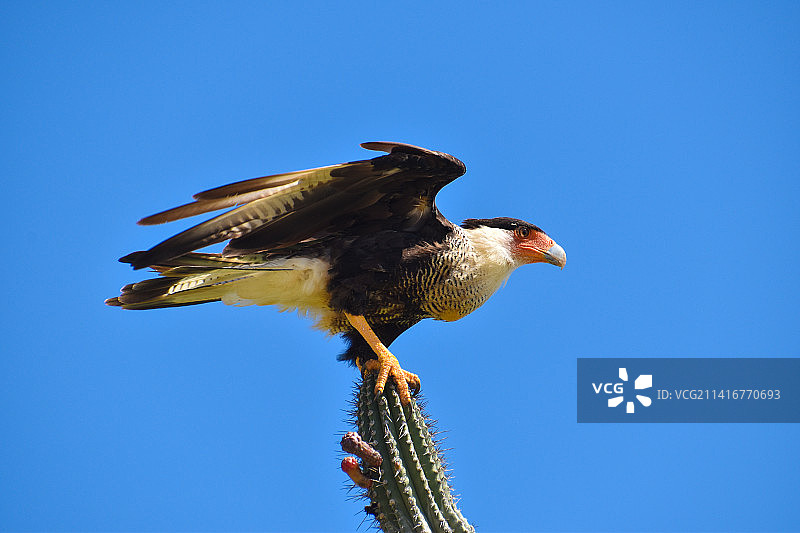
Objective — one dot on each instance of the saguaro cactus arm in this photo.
(409, 491)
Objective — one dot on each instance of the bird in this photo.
(360, 248)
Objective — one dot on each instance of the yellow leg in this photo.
(387, 364)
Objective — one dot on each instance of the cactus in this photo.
(409, 491)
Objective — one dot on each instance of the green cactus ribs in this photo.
(407, 485)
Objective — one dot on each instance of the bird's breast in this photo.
(445, 280)
(454, 296)
(456, 281)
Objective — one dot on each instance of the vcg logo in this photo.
(644, 381)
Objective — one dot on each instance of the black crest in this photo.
(506, 223)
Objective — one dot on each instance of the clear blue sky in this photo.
(659, 143)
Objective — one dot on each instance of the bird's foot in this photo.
(388, 365)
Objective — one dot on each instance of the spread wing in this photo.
(393, 191)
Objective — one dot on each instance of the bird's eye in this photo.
(523, 232)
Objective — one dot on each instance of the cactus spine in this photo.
(411, 492)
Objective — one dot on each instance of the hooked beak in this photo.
(556, 256)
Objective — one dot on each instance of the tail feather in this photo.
(191, 279)
(195, 278)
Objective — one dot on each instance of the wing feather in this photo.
(262, 183)
(285, 209)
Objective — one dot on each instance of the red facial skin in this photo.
(535, 247)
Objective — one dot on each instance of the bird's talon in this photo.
(413, 382)
(404, 380)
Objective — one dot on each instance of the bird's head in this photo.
(526, 242)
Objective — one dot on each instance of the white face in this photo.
(521, 246)
(494, 245)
